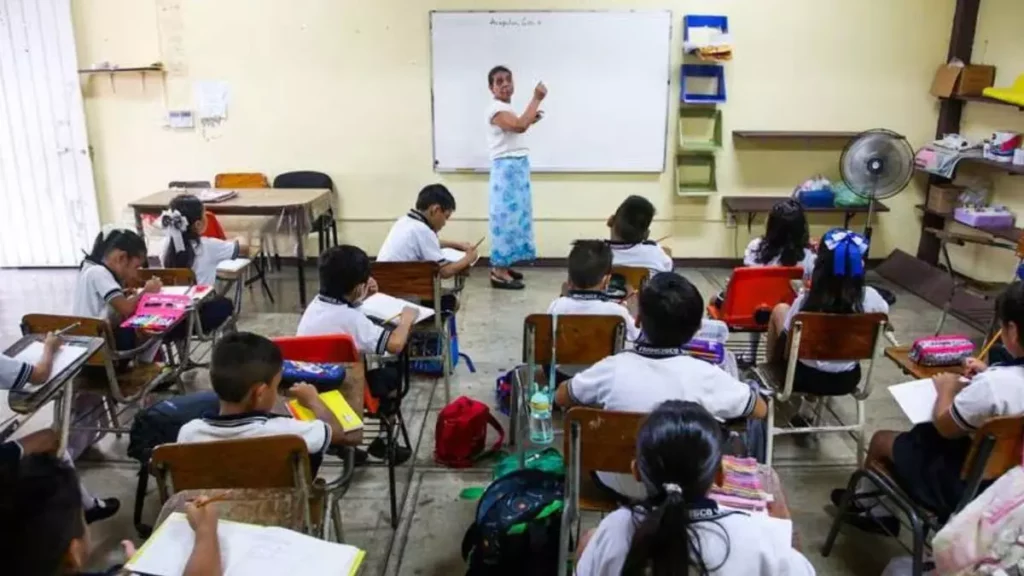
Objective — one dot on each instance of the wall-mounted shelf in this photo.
(984, 100)
(140, 70)
(1002, 166)
(1011, 234)
(793, 135)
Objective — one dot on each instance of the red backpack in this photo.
(461, 433)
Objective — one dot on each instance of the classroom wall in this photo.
(344, 87)
(998, 41)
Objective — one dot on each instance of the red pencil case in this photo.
(948, 350)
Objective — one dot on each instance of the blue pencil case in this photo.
(318, 374)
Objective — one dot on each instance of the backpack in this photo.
(159, 424)
(517, 526)
(429, 344)
(548, 460)
(461, 433)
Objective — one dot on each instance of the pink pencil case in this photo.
(158, 312)
(948, 350)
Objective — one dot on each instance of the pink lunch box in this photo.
(948, 350)
(986, 218)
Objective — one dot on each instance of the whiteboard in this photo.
(607, 75)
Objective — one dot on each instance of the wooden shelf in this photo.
(1011, 234)
(1008, 168)
(983, 100)
(794, 135)
(119, 70)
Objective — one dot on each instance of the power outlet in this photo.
(730, 220)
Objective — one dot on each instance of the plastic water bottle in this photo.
(541, 430)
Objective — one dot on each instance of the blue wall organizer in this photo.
(720, 23)
(711, 72)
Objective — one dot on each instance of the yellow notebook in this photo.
(336, 404)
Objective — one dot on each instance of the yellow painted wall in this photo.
(999, 40)
(343, 86)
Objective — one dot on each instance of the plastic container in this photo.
(541, 429)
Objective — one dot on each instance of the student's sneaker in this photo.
(103, 509)
(379, 449)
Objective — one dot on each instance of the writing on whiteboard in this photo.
(525, 21)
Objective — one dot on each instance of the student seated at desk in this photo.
(413, 237)
(188, 248)
(657, 369)
(344, 283)
(590, 270)
(630, 227)
(677, 528)
(116, 257)
(245, 370)
(927, 460)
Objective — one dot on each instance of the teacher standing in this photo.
(511, 205)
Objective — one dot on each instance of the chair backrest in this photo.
(92, 327)
(213, 227)
(1008, 436)
(607, 439)
(267, 462)
(815, 336)
(635, 276)
(404, 279)
(241, 180)
(757, 288)
(168, 276)
(189, 184)
(582, 339)
(326, 348)
(304, 179)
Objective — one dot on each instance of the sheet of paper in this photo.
(234, 265)
(175, 290)
(453, 255)
(65, 356)
(916, 399)
(388, 308)
(212, 97)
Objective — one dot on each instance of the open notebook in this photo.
(246, 550)
(66, 355)
(387, 308)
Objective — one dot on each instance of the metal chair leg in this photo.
(844, 507)
(404, 430)
(391, 473)
(108, 404)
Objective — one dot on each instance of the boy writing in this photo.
(413, 237)
(245, 370)
(630, 227)
(670, 312)
(590, 270)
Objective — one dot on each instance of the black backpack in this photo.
(517, 526)
(159, 424)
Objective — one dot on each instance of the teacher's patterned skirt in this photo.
(511, 215)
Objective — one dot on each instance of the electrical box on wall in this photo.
(180, 119)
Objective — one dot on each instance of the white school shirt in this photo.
(750, 549)
(411, 239)
(208, 254)
(642, 255)
(329, 316)
(502, 143)
(629, 382)
(750, 258)
(95, 288)
(13, 372)
(998, 391)
(873, 302)
(594, 304)
(316, 433)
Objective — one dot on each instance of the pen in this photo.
(67, 329)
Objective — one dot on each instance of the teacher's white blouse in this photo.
(503, 144)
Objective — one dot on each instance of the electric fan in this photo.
(876, 165)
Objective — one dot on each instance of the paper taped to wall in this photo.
(212, 97)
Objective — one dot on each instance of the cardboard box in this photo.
(969, 80)
(942, 198)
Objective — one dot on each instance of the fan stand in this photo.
(875, 167)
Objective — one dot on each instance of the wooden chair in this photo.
(271, 462)
(419, 282)
(118, 386)
(812, 336)
(241, 180)
(995, 449)
(593, 440)
(635, 277)
(578, 340)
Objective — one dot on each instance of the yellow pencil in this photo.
(984, 351)
(393, 318)
(662, 239)
(213, 499)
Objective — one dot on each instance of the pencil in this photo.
(67, 329)
(393, 318)
(984, 351)
(213, 499)
(662, 239)
(479, 242)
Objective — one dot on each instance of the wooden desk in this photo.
(754, 205)
(901, 356)
(352, 389)
(296, 208)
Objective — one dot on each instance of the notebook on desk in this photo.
(388, 308)
(338, 406)
(214, 195)
(453, 255)
(66, 355)
(246, 550)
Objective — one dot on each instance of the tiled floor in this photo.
(433, 517)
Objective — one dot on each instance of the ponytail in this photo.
(187, 210)
(665, 542)
(112, 239)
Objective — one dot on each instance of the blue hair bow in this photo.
(848, 251)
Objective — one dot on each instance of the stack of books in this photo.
(742, 487)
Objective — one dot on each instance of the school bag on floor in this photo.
(461, 433)
(159, 424)
(517, 526)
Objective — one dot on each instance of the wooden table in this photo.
(754, 205)
(295, 207)
(901, 356)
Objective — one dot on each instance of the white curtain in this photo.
(48, 212)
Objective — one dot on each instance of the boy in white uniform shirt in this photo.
(590, 269)
(413, 237)
(657, 369)
(344, 283)
(927, 460)
(630, 227)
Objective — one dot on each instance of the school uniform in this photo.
(927, 465)
(829, 377)
(646, 254)
(641, 379)
(730, 543)
(751, 253)
(316, 434)
(593, 303)
(97, 286)
(207, 254)
(13, 372)
(411, 239)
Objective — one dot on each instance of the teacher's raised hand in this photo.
(540, 91)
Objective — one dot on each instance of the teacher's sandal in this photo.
(511, 284)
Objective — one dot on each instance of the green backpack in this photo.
(547, 460)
